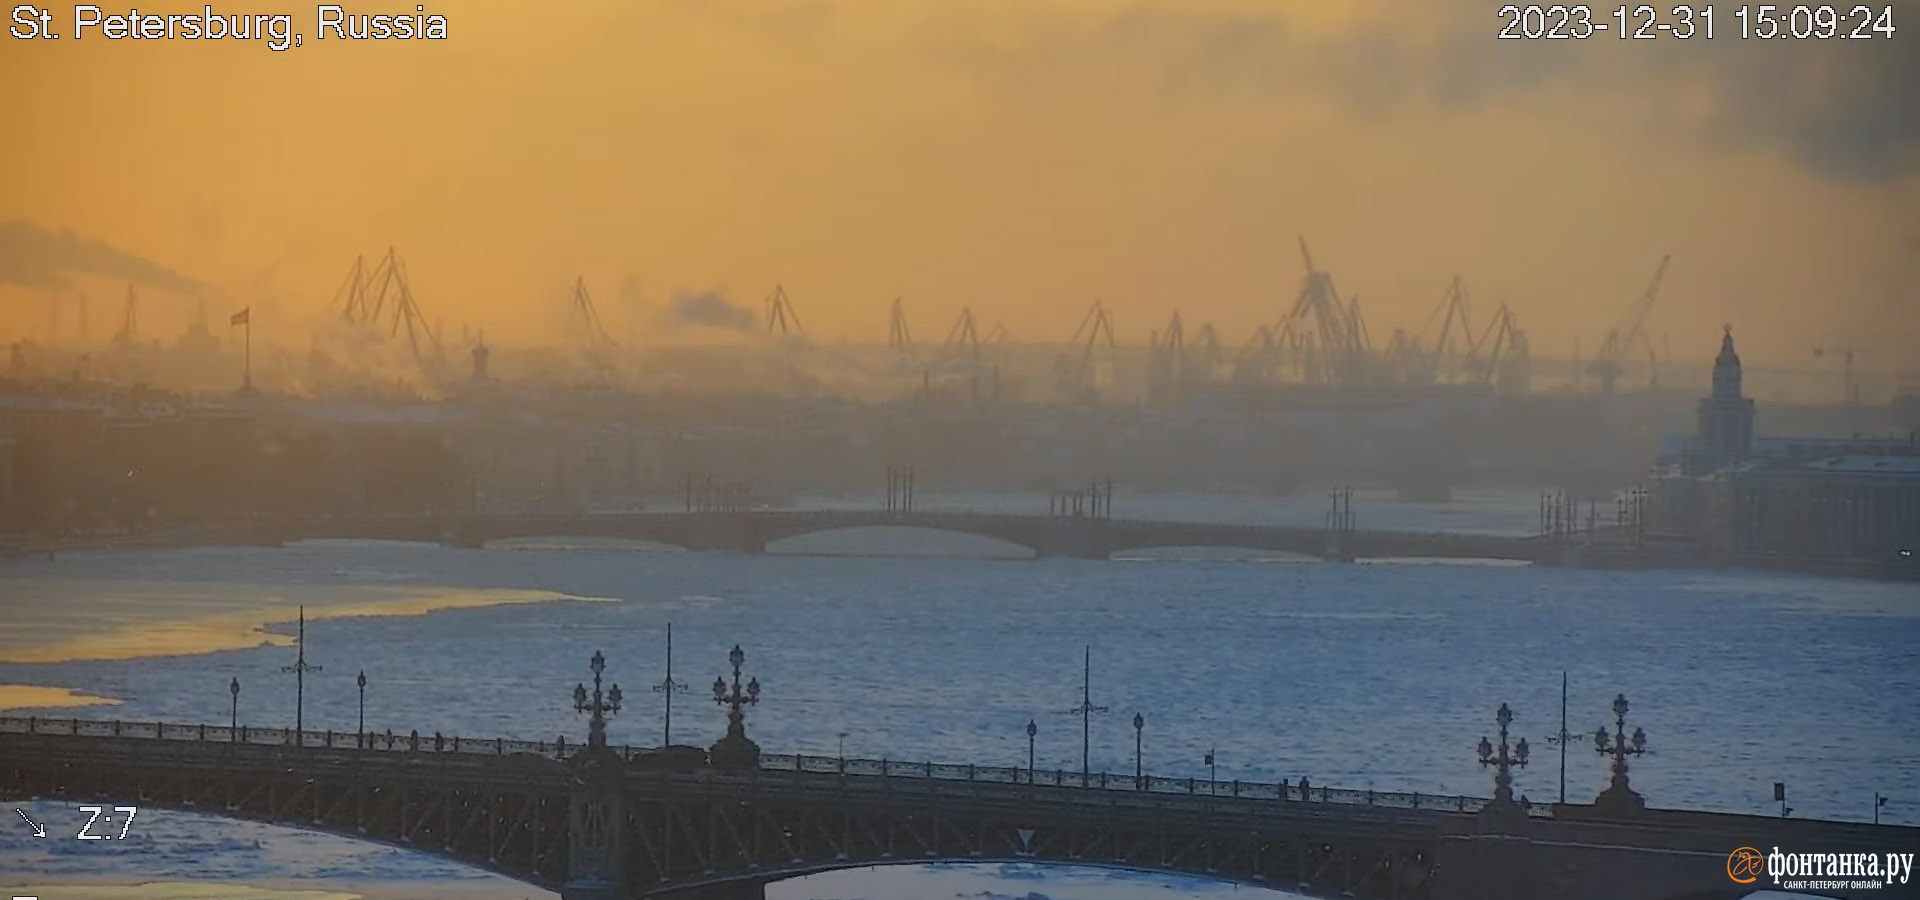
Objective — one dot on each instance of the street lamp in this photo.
(361, 739)
(598, 705)
(735, 749)
(1618, 795)
(668, 686)
(300, 668)
(1032, 730)
(1139, 722)
(1499, 758)
(1085, 711)
(233, 723)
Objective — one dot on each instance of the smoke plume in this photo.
(710, 309)
(33, 257)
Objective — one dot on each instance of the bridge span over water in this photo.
(606, 823)
(1045, 536)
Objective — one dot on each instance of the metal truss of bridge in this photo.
(596, 822)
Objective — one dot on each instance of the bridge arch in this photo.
(1211, 553)
(903, 540)
(1274, 891)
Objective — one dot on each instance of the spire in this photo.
(1727, 355)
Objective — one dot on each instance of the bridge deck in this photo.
(213, 746)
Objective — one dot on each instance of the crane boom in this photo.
(1609, 362)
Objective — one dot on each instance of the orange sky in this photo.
(1021, 156)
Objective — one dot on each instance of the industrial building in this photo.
(1735, 496)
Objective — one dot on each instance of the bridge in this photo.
(596, 822)
(1046, 536)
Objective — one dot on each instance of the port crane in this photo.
(1338, 346)
(599, 344)
(382, 297)
(1094, 327)
(780, 315)
(1167, 363)
(589, 315)
(1454, 341)
(899, 336)
(1500, 356)
(1610, 361)
(963, 340)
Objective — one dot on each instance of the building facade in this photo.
(1733, 495)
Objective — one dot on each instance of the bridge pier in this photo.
(1071, 537)
(596, 829)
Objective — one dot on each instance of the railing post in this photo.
(116, 728)
(74, 723)
(1416, 799)
(500, 746)
(203, 732)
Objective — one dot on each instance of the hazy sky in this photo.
(1021, 156)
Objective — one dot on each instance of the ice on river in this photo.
(1356, 676)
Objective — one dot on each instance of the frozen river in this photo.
(1355, 676)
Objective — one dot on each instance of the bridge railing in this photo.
(560, 748)
(1108, 781)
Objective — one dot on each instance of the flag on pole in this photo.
(240, 318)
(1209, 757)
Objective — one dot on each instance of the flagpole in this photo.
(246, 379)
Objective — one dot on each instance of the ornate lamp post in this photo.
(1139, 782)
(736, 750)
(1032, 730)
(233, 723)
(597, 705)
(1503, 763)
(1618, 797)
(360, 739)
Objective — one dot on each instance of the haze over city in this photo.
(1097, 450)
(1021, 159)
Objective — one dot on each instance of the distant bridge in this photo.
(611, 824)
(1045, 536)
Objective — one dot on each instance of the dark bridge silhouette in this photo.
(600, 822)
(1077, 536)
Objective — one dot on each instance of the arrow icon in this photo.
(37, 830)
